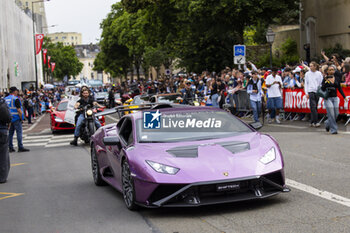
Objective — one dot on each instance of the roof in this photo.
(87, 50)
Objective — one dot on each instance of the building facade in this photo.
(17, 63)
(67, 38)
(39, 13)
(87, 55)
(324, 23)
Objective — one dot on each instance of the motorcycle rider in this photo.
(187, 93)
(85, 99)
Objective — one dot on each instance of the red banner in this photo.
(48, 61)
(39, 39)
(44, 54)
(296, 101)
(53, 65)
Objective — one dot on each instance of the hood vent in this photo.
(184, 151)
(235, 147)
(192, 151)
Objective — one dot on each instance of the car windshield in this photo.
(188, 126)
(62, 106)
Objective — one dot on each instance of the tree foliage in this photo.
(200, 33)
(67, 62)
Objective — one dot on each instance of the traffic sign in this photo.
(239, 60)
(239, 50)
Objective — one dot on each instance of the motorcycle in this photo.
(87, 129)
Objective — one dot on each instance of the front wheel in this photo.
(91, 127)
(95, 167)
(128, 187)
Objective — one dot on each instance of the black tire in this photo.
(95, 167)
(128, 187)
(91, 127)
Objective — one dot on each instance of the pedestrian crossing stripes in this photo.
(47, 141)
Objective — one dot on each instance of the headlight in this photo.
(161, 168)
(269, 156)
(57, 119)
(89, 112)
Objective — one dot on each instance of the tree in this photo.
(67, 62)
(202, 32)
(114, 56)
(155, 57)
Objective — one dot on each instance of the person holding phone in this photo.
(332, 102)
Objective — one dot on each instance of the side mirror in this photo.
(111, 141)
(256, 125)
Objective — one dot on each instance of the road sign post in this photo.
(239, 52)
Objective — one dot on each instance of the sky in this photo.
(83, 16)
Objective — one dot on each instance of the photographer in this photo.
(255, 92)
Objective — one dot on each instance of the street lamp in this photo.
(51, 26)
(36, 69)
(270, 38)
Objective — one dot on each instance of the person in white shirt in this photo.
(313, 80)
(274, 96)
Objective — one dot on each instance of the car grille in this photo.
(66, 125)
(218, 192)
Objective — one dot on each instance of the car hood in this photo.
(60, 114)
(214, 161)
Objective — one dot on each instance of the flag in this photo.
(53, 65)
(44, 54)
(48, 61)
(39, 39)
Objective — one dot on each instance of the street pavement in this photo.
(50, 189)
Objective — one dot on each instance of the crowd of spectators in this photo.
(263, 86)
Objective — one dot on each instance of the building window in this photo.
(76, 37)
(72, 37)
(63, 37)
(56, 37)
(27, 5)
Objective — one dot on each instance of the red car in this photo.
(58, 115)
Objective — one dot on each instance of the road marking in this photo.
(27, 140)
(36, 144)
(61, 140)
(10, 195)
(288, 126)
(112, 118)
(320, 193)
(17, 164)
(57, 145)
(62, 136)
(35, 124)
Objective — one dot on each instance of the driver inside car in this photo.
(85, 99)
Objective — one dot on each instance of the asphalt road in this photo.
(55, 192)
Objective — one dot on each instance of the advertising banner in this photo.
(295, 100)
(53, 65)
(44, 54)
(48, 61)
(39, 39)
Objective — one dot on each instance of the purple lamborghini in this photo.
(176, 156)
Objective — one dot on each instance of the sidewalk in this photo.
(40, 125)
